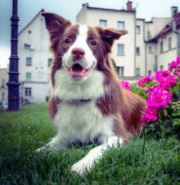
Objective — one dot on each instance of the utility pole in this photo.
(13, 83)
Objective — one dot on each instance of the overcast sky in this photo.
(27, 9)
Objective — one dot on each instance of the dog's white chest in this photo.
(83, 122)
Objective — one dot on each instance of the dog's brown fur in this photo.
(126, 106)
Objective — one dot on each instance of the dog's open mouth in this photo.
(77, 71)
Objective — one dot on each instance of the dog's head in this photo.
(79, 49)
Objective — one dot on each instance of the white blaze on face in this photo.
(81, 42)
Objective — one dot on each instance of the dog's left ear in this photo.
(108, 35)
(111, 34)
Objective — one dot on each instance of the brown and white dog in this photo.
(88, 105)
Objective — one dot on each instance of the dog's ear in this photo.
(108, 35)
(111, 34)
(56, 26)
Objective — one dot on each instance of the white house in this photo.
(123, 49)
(34, 60)
(166, 43)
(135, 54)
(148, 47)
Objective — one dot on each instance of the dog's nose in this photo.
(78, 53)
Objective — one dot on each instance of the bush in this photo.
(162, 92)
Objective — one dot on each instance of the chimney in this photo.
(86, 5)
(174, 11)
(129, 6)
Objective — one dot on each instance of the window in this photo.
(169, 43)
(138, 51)
(121, 71)
(3, 83)
(161, 68)
(149, 72)
(161, 47)
(120, 25)
(28, 91)
(137, 71)
(169, 65)
(103, 23)
(150, 49)
(138, 29)
(29, 31)
(49, 62)
(28, 76)
(120, 50)
(155, 67)
(28, 61)
(149, 35)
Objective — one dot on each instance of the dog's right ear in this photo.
(56, 26)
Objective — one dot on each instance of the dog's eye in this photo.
(67, 41)
(93, 43)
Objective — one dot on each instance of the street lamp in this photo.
(13, 83)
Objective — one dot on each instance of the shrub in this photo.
(162, 92)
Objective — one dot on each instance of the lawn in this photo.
(142, 161)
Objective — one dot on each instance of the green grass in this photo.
(143, 161)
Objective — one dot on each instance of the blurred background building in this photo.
(148, 47)
(35, 59)
(3, 87)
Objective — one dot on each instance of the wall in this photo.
(140, 59)
(92, 18)
(39, 40)
(3, 87)
(167, 55)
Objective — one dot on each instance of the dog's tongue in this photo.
(76, 71)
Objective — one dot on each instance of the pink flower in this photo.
(161, 75)
(177, 73)
(173, 65)
(158, 94)
(126, 85)
(151, 114)
(169, 83)
(145, 80)
(159, 98)
(165, 79)
(149, 89)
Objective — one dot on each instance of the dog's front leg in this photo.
(54, 145)
(87, 163)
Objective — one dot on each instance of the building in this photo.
(166, 43)
(123, 49)
(3, 87)
(35, 59)
(148, 47)
(137, 53)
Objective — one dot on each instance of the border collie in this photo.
(88, 104)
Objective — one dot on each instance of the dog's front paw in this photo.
(42, 150)
(82, 166)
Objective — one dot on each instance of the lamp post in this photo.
(13, 83)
